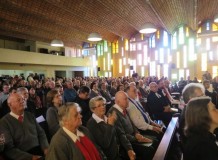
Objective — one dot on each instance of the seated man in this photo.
(83, 100)
(190, 91)
(158, 105)
(212, 94)
(24, 138)
(102, 128)
(72, 141)
(139, 117)
(132, 139)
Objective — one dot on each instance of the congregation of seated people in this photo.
(99, 118)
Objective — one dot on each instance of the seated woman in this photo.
(54, 100)
(94, 90)
(101, 128)
(201, 120)
(72, 141)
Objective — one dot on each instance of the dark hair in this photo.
(84, 89)
(118, 87)
(206, 81)
(50, 96)
(197, 117)
(92, 84)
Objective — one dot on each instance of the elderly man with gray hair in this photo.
(72, 141)
(190, 91)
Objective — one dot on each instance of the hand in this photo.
(167, 109)
(141, 138)
(35, 157)
(45, 151)
(112, 118)
(131, 154)
(157, 129)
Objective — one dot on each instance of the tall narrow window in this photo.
(165, 70)
(153, 68)
(208, 44)
(181, 73)
(117, 47)
(142, 71)
(178, 59)
(156, 55)
(214, 71)
(158, 71)
(113, 48)
(139, 56)
(124, 61)
(126, 72)
(139, 46)
(153, 41)
(174, 45)
(108, 61)
(165, 39)
(191, 50)
(145, 49)
(169, 56)
(104, 65)
(184, 56)
(158, 34)
(187, 73)
(161, 54)
(187, 32)
(181, 35)
(126, 44)
(120, 65)
(105, 46)
(204, 62)
(207, 26)
(210, 55)
(122, 51)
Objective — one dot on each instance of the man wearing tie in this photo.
(139, 117)
(24, 138)
(131, 139)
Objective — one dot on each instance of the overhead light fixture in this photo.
(148, 28)
(57, 43)
(216, 18)
(94, 37)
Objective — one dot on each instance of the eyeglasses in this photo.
(100, 105)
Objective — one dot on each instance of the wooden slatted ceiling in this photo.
(73, 20)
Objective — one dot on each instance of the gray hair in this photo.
(189, 91)
(63, 111)
(21, 89)
(94, 100)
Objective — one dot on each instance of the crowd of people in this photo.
(104, 118)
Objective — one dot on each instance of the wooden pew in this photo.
(161, 153)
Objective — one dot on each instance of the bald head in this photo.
(121, 99)
(16, 103)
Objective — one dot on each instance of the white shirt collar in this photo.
(118, 108)
(98, 119)
(72, 135)
(14, 115)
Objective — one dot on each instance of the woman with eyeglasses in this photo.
(102, 128)
(54, 100)
(201, 120)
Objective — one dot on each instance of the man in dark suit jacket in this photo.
(132, 136)
(158, 105)
(212, 95)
